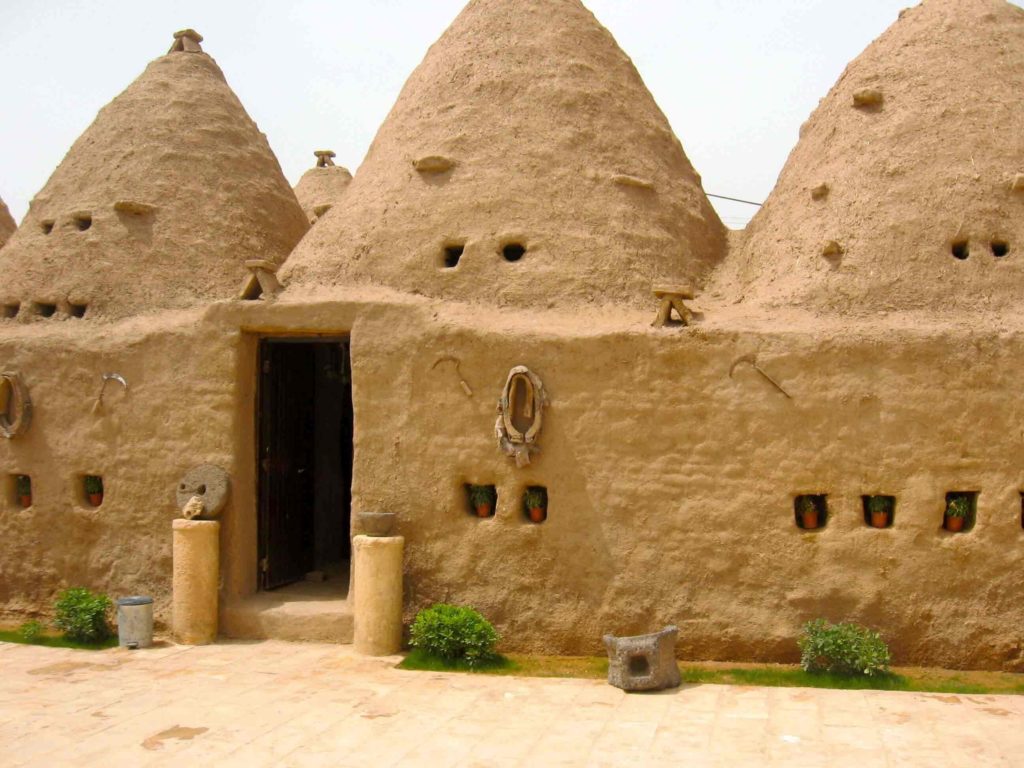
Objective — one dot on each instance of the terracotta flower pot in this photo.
(537, 514)
(95, 499)
(25, 501)
(879, 519)
(954, 524)
(809, 520)
(483, 510)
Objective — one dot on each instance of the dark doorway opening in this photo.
(305, 460)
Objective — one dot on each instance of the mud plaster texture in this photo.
(550, 129)
(197, 191)
(7, 224)
(671, 464)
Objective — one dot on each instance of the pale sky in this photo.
(736, 78)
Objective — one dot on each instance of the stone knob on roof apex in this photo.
(186, 41)
(324, 157)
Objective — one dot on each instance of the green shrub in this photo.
(30, 631)
(454, 633)
(93, 484)
(82, 615)
(842, 649)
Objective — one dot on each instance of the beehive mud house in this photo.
(341, 349)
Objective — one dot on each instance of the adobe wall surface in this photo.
(176, 414)
(671, 487)
(671, 484)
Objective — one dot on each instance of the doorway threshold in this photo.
(305, 611)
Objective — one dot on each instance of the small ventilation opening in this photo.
(9, 311)
(879, 511)
(1000, 248)
(639, 666)
(811, 511)
(452, 254)
(482, 499)
(961, 511)
(92, 490)
(83, 221)
(961, 250)
(77, 310)
(513, 252)
(43, 309)
(46, 226)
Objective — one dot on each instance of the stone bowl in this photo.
(375, 523)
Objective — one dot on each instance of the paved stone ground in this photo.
(280, 704)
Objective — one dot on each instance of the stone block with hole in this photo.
(643, 662)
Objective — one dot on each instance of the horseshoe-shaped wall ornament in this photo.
(520, 414)
(15, 405)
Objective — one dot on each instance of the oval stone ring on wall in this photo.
(15, 405)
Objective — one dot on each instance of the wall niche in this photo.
(811, 511)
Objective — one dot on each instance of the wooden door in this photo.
(286, 461)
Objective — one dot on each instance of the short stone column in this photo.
(377, 584)
(196, 564)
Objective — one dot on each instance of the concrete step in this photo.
(318, 613)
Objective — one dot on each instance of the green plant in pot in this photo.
(482, 498)
(958, 509)
(808, 512)
(879, 509)
(23, 488)
(535, 500)
(94, 489)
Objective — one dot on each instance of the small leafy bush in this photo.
(843, 649)
(454, 633)
(93, 484)
(82, 615)
(958, 505)
(30, 631)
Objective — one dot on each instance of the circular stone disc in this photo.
(208, 482)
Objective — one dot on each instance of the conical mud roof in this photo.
(905, 191)
(526, 134)
(322, 186)
(159, 203)
(7, 224)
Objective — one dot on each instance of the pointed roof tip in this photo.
(552, 154)
(186, 41)
(824, 211)
(186, 131)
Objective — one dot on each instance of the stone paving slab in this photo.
(280, 704)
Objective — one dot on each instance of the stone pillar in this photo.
(196, 553)
(377, 583)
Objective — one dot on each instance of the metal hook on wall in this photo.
(751, 360)
(103, 385)
(457, 362)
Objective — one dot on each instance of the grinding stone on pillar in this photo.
(196, 565)
(377, 584)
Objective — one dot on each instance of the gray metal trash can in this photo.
(135, 622)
